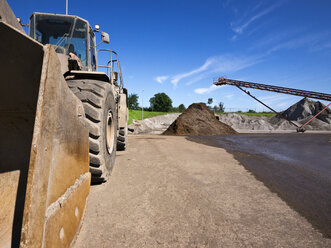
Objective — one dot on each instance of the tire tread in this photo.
(92, 93)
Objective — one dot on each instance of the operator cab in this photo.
(68, 34)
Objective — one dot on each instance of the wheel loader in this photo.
(63, 115)
(101, 93)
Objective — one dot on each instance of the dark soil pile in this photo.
(198, 120)
(307, 108)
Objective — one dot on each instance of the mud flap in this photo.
(44, 150)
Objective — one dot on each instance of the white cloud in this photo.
(258, 5)
(231, 63)
(293, 39)
(206, 90)
(239, 29)
(197, 78)
(217, 64)
(175, 79)
(161, 79)
(277, 38)
(312, 41)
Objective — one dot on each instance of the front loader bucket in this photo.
(44, 150)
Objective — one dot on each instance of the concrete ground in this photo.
(170, 192)
(296, 166)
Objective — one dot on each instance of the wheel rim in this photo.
(110, 132)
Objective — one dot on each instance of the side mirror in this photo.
(105, 37)
(19, 20)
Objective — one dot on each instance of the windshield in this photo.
(67, 33)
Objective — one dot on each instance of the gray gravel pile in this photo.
(153, 125)
(299, 113)
(305, 109)
(242, 123)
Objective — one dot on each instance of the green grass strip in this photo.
(136, 114)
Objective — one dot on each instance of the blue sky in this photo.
(180, 46)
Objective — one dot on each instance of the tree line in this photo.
(161, 102)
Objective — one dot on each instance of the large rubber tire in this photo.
(122, 138)
(101, 118)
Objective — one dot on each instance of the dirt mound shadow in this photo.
(198, 120)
